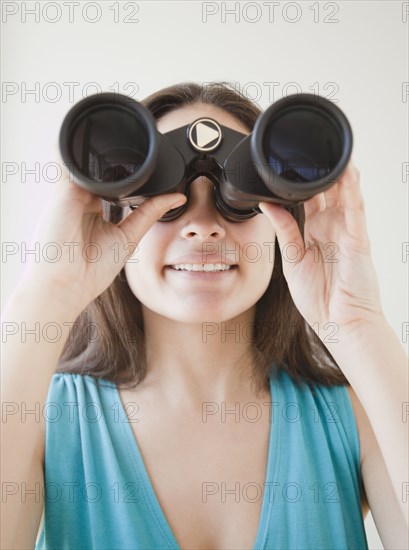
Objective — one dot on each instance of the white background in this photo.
(354, 52)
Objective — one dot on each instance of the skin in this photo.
(185, 362)
(184, 371)
(341, 290)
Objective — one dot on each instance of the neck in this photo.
(194, 362)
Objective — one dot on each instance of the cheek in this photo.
(255, 239)
(144, 265)
(257, 243)
(257, 265)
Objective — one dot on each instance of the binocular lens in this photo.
(302, 144)
(108, 144)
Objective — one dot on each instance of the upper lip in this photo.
(199, 259)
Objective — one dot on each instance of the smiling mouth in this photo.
(203, 268)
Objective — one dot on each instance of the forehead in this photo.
(188, 113)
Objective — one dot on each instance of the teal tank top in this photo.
(98, 494)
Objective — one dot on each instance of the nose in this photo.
(201, 219)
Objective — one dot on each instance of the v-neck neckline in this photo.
(151, 498)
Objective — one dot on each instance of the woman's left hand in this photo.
(330, 273)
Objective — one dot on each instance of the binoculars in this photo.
(299, 147)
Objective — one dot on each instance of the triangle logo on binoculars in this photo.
(205, 134)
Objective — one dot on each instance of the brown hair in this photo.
(282, 339)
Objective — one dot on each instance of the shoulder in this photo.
(66, 384)
(67, 392)
(332, 407)
(358, 429)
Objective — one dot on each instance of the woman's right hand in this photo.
(91, 251)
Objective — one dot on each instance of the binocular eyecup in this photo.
(299, 147)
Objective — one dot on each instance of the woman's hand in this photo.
(88, 251)
(330, 276)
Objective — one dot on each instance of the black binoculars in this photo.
(298, 147)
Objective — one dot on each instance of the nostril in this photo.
(199, 233)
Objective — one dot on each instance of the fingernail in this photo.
(179, 202)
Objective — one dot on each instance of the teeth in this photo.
(201, 267)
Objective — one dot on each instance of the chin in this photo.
(202, 314)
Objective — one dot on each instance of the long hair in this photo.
(107, 339)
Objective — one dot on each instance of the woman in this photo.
(219, 419)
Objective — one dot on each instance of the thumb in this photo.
(289, 237)
(138, 222)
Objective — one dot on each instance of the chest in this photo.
(208, 476)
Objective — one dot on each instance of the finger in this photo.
(68, 190)
(288, 234)
(314, 204)
(331, 196)
(137, 223)
(351, 199)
